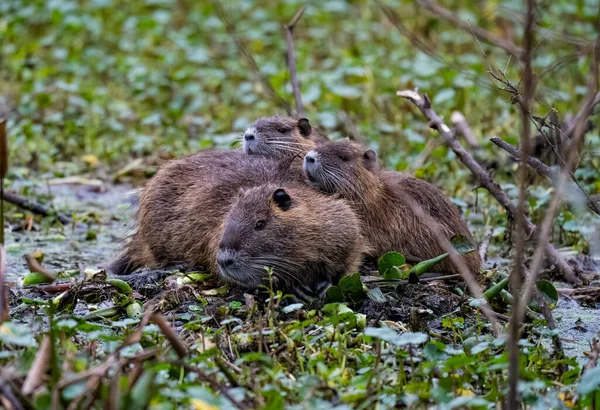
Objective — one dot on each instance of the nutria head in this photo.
(279, 136)
(343, 167)
(306, 238)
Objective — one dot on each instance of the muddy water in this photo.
(89, 243)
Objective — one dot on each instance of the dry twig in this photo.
(34, 207)
(517, 274)
(487, 237)
(462, 127)
(595, 352)
(485, 180)
(215, 385)
(3, 172)
(39, 368)
(578, 135)
(178, 345)
(4, 308)
(289, 35)
(454, 256)
(543, 170)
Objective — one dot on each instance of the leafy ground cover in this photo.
(99, 93)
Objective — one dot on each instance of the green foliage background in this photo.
(122, 79)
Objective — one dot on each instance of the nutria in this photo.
(384, 200)
(203, 186)
(280, 137)
(309, 239)
(182, 212)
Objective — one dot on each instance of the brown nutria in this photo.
(384, 200)
(182, 215)
(280, 137)
(309, 240)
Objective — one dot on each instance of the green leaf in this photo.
(494, 290)
(35, 278)
(334, 294)
(590, 381)
(548, 291)
(389, 260)
(424, 266)
(352, 288)
(121, 286)
(143, 390)
(394, 273)
(292, 308)
(462, 244)
(388, 335)
(135, 310)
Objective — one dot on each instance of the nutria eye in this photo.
(283, 130)
(344, 158)
(259, 225)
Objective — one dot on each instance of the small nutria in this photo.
(182, 215)
(280, 137)
(385, 200)
(309, 239)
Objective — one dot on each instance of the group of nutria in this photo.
(309, 209)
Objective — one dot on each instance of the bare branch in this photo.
(485, 180)
(578, 136)
(289, 28)
(517, 275)
(481, 33)
(4, 307)
(543, 170)
(462, 126)
(487, 237)
(34, 207)
(178, 345)
(414, 39)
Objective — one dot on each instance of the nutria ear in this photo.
(370, 159)
(282, 199)
(305, 128)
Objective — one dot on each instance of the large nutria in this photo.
(280, 137)
(385, 200)
(200, 187)
(182, 214)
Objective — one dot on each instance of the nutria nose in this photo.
(310, 160)
(225, 262)
(248, 137)
(224, 258)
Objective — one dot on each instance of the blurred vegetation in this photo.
(103, 81)
(88, 86)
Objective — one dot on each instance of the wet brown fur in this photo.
(314, 239)
(183, 212)
(382, 199)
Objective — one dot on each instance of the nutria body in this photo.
(385, 201)
(280, 137)
(189, 197)
(182, 217)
